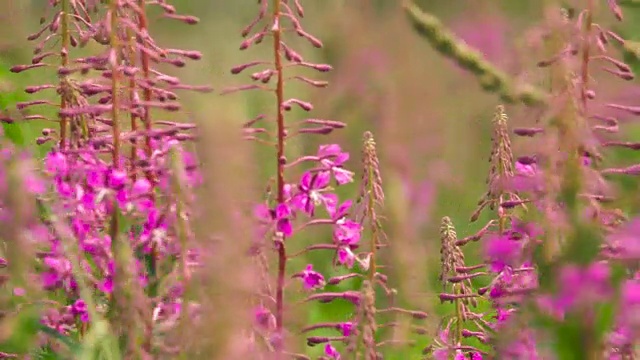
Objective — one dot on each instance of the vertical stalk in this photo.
(281, 160)
(143, 28)
(374, 229)
(133, 118)
(591, 341)
(182, 226)
(115, 77)
(64, 59)
(459, 315)
(115, 103)
(563, 126)
(369, 327)
(586, 49)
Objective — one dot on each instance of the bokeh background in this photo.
(431, 120)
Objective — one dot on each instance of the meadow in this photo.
(300, 179)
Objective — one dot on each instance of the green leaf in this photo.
(570, 340)
(546, 269)
(23, 327)
(14, 133)
(605, 317)
(629, 3)
(72, 344)
(584, 245)
(8, 98)
(99, 343)
(631, 55)
(46, 353)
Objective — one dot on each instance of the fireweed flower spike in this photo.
(97, 194)
(374, 317)
(565, 184)
(504, 240)
(456, 281)
(106, 226)
(293, 201)
(502, 167)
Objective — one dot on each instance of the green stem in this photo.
(491, 78)
(459, 316)
(374, 228)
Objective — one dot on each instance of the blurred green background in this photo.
(431, 120)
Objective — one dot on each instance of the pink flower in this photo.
(282, 214)
(346, 328)
(345, 231)
(312, 279)
(331, 352)
(311, 192)
(332, 158)
(502, 251)
(346, 257)
(264, 318)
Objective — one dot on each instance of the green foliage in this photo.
(23, 327)
(9, 96)
(72, 344)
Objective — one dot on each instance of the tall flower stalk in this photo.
(128, 228)
(293, 201)
(281, 159)
(64, 62)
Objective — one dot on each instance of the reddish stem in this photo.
(143, 28)
(281, 160)
(586, 49)
(115, 126)
(115, 77)
(134, 124)
(64, 56)
(146, 73)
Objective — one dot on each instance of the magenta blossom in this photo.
(345, 231)
(625, 242)
(79, 308)
(311, 193)
(331, 352)
(281, 214)
(311, 279)
(502, 251)
(630, 306)
(346, 328)
(346, 256)
(579, 288)
(332, 158)
(263, 318)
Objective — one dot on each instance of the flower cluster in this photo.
(101, 228)
(549, 206)
(114, 185)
